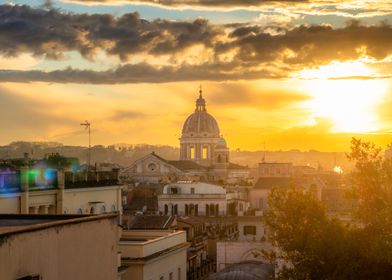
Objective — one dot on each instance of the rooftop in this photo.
(19, 223)
(151, 222)
(142, 245)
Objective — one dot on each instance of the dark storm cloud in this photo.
(313, 44)
(255, 51)
(50, 33)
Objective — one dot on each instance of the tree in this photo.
(316, 246)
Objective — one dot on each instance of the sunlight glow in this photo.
(349, 103)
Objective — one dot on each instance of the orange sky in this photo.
(299, 77)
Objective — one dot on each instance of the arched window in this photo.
(103, 209)
(92, 210)
(219, 158)
(113, 207)
(80, 211)
(166, 209)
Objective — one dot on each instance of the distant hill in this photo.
(125, 154)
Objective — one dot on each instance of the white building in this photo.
(193, 199)
(153, 254)
(248, 246)
(47, 191)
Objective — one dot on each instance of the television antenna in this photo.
(87, 125)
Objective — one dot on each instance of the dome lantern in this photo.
(200, 103)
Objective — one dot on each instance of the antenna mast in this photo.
(87, 125)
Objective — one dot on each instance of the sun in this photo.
(350, 103)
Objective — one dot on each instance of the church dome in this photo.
(200, 123)
(221, 143)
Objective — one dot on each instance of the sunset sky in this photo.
(290, 74)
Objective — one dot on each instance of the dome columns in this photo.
(198, 152)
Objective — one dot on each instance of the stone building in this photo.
(204, 155)
(201, 141)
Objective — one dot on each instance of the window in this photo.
(192, 152)
(205, 153)
(192, 190)
(250, 230)
(166, 209)
(173, 190)
(152, 166)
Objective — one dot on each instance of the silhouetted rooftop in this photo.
(248, 270)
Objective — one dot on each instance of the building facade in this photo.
(48, 191)
(153, 254)
(204, 155)
(60, 247)
(193, 199)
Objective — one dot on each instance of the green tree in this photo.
(316, 246)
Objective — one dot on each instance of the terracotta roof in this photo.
(192, 220)
(186, 165)
(270, 182)
(139, 201)
(183, 165)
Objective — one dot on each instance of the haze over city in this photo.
(271, 72)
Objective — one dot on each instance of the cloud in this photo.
(50, 33)
(226, 52)
(240, 94)
(127, 115)
(139, 73)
